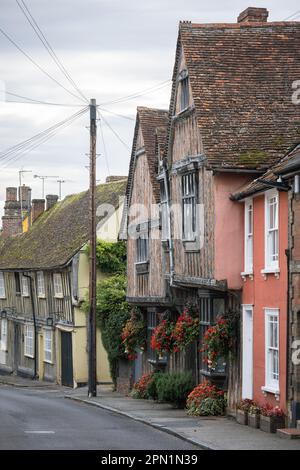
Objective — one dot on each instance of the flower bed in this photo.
(139, 389)
(205, 400)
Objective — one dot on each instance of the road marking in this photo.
(39, 432)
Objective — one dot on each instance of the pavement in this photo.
(211, 433)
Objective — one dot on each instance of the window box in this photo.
(142, 267)
(253, 420)
(242, 417)
(270, 424)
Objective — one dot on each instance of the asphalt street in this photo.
(39, 419)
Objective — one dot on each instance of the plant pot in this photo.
(253, 420)
(242, 417)
(271, 423)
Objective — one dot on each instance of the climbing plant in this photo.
(110, 256)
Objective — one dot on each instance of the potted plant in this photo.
(243, 411)
(272, 418)
(254, 416)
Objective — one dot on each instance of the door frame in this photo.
(247, 352)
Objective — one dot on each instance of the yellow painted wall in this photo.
(108, 232)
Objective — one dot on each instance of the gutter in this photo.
(170, 240)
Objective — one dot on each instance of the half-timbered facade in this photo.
(226, 127)
(44, 278)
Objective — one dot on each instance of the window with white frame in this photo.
(189, 206)
(2, 286)
(48, 345)
(57, 284)
(272, 349)
(164, 212)
(3, 337)
(249, 236)
(40, 284)
(29, 341)
(271, 230)
(25, 286)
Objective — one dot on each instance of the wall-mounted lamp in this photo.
(49, 321)
(3, 313)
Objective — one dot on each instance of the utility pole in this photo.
(92, 379)
(60, 182)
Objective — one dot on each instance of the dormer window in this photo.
(184, 90)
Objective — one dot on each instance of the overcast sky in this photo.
(111, 48)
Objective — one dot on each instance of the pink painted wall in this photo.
(269, 293)
(229, 222)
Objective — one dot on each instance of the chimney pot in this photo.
(38, 207)
(253, 15)
(51, 200)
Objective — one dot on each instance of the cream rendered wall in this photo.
(108, 232)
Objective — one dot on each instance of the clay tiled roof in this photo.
(151, 121)
(59, 233)
(241, 77)
(287, 164)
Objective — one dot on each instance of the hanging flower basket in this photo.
(134, 334)
(162, 339)
(217, 342)
(186, 330)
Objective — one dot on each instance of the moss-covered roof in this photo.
(59, 233)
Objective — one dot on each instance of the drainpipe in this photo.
(288, 256)
(170, 240)
(34, 324)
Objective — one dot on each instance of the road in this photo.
(34, 419)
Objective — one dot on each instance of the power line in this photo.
(157, 87)
(15, 152)
(104, 148)
(34, 101)
(33, 23)
(36, 64)
(116, 114)
(114, 132)
(291, 16)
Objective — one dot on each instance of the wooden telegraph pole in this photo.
(92, 379)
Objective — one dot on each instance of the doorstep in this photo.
(289, 433)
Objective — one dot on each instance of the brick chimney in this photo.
(51, 200)
(12, 221)
(37, 208)
(253, 15)
(25, 195)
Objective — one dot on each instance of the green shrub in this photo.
(152, 387)
(174, 387)
(212, 407)
(111, 315)
(110, 256)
